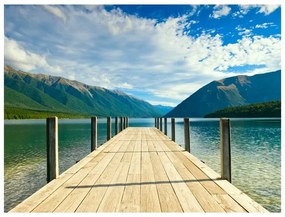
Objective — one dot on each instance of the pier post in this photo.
(173, 129)
(93, 133)
(127, 122)
(160, 124)
(187, 134)
(155, 122)
(121, 124)
(52, 148)
(225, 143)
(165, 126)
(116, 126)
(109, 128)
(124, 123)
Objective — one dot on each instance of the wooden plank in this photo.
(167, 197)
(207, 182)
(149, 196)
(91, 156)
(34, 200)
(50, 204)
(139, 170)
(93, 199)
(73, 200)
(131, 197)
(228, 204)
(112, 198)
(187, 200)
(205, 199)
(244, 200)
(219, 187)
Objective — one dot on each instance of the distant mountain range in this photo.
(228, 92)
(40, 92)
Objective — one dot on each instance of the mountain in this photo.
(163, 109)
(228, 92)
(38, 92)
(265, 109)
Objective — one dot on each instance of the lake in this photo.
(256, 153)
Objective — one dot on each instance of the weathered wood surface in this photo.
(139, 170)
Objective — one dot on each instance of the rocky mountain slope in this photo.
(233, 91)
(56, 94)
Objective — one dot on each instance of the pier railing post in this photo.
(165, 126)
(127, 122)
(109, 128)
(124, 123)
(52, 148)
(93, 133)
(160, 124)
(225, 141)
(173, 129)
(121, 124)
(186, 134)
(155, 122)
(116, 126)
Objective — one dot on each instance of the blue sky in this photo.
(160, 53)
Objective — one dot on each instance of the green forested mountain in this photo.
(27, 94)
(228, 92)
(267, 109)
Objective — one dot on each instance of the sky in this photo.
(159, 53)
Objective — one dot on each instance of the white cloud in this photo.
(17, 56)
(54, 10)
(268, 9)
(265, 9)
(125, 85)
(165, 103)
(264, 25)
(243, 31)
(114, 50)
(220, 10)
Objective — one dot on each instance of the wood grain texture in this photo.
(139, 170)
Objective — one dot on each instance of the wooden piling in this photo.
(173, 129)
(121, 124)
(155, 122)
(186, 134)
(109, 128)
(116, 126)
(125, 122)
(93, 133)
(165, 126)
(52, 148)
(160, 124)
(225, 143)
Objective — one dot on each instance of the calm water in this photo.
(256, 153)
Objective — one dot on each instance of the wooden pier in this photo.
(139, 170)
